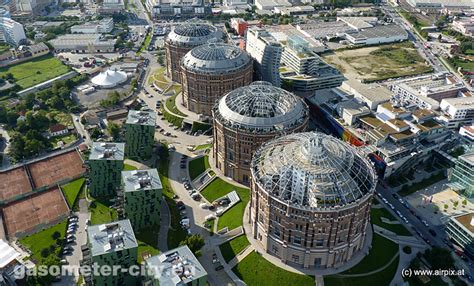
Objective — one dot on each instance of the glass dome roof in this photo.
(313, 170)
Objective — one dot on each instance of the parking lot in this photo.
(84, 62)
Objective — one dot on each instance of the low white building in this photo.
(271, 4)
(378, 35)
(294, 11)
(464, 26)
(83, 43)
(457, 111)
(467, 132)
(104, 26)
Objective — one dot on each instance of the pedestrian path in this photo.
(164, 226)
(239, 257)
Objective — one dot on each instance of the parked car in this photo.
(219, 267)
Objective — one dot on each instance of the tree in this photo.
(195, 242)
(45, 252)
(114, 130)
(439, 258)
(455, 204)
(464, 203)
(56, 235)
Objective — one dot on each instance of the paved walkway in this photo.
(234, 261)
(135, 164)
(370, 272)
(164, 226)
(179, 105)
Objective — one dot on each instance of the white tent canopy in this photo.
(7, 253)
(109, 78)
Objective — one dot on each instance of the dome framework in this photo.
(184, 38)
(210, 71)
(310, 199)
(249, 116)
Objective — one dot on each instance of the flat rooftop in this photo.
(141, 117)
(384, 31)
(465, 220)
(469, 157)
(178, 266)
(429, 84)
(371, 92)
(107, 151)
(137, 180)
(111, 237)
(461, 102)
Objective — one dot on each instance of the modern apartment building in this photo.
(306, 71)
(142, 191)
(112, 244)
(427, 91)
(460, 229)
(167, 9)
(140, 133)
(11, 32)
(105, 167)
(266, 52)
(462, 177)
(175, 267)
(457, 111)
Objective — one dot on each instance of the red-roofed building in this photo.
(57, 130)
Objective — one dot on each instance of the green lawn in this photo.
(101, 213)
(147, 239)
(409, 189)
(219, 188)
(383, 277)
(198, 166)
(203, 146)
(256, 270)
(66, 139)
(171, 118)
(231, 248)
(71, 190)
(171, 105)
(127, 167)
(382, 251)
(200, 126)
(43, 239)
(377, 213)
(35, 71)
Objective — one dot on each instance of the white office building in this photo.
(305, 69)
(104, 26)
(178, 8)
(457, 111)
(11, 32)
(266, 51)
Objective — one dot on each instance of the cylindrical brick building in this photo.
(311, 198)
(210, 71)
(249, 116)
(184, 38)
